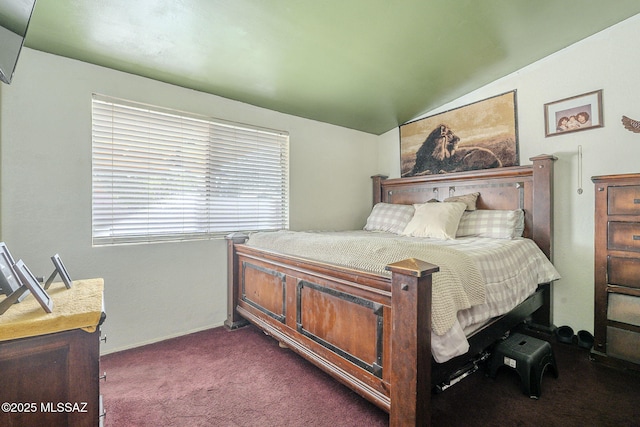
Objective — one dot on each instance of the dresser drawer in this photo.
(624, 200)
(623, 271)
(624, 236)
(624, 308)
(623, 344)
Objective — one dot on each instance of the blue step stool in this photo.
(529, 356)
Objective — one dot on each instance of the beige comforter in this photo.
(457, 286)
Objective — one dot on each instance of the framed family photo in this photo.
(574, 114)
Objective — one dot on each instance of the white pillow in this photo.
(499, 224)
(389, 217)
(435, 220)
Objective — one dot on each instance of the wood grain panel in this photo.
(264, 289)
(624, 236)
(624, 271)
(349, 325)
(624, 200)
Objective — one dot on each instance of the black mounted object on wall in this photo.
(14, 21)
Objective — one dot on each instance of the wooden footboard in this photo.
(371, 332)
(341, 321)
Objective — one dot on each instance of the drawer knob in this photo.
(104, 339)
(103, 377)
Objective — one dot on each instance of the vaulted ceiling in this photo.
(368, 65)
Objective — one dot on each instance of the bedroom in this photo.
(46, 178)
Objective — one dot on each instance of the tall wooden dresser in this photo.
(617, 270)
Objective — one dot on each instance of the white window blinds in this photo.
(163, 175)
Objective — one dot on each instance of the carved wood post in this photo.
(234, 320)
(411, 343)
(543, 202)
(377, 188)
(542, 232)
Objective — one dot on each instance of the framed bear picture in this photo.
(481, 135)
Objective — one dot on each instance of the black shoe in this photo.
(585, 339)
(564, 334)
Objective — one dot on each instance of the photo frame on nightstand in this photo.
(61, 270)
(29, 280)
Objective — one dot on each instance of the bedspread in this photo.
(457, 286)
(510, 271)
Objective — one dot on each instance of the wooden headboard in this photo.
(520, 187)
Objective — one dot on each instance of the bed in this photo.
(374, 329)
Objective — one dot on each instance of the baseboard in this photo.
(163, 338)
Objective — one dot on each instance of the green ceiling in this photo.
(363, 64)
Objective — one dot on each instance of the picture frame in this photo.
(11, 287)
(577, 113)
(5, 250)
(61, 270)
(9, 282)
(29, 280)
(6, 303)
(480, 135)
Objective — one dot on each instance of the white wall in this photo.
(161, 290)
(604, 61)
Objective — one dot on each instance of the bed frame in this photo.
(372, 332)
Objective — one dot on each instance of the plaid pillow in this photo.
(389, 217)
(499, 224)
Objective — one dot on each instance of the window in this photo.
(161, 175)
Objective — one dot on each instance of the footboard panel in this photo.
(341, 326)
(327, 316)
(264, 289)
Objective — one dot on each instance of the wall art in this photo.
(574, 114)
(480, 135)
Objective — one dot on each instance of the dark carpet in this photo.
(243, 378)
